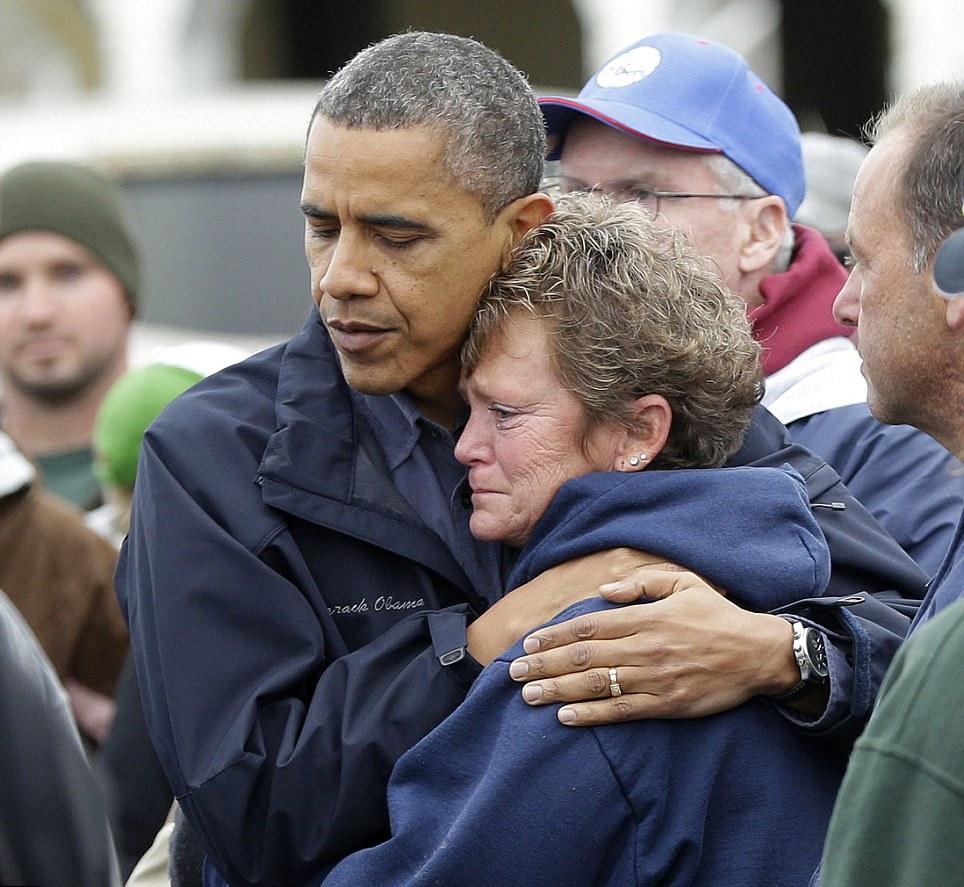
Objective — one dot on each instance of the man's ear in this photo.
(765, 220)
(526, 213)
(954, 314)
(639, 445)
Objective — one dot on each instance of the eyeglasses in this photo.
(626, 191)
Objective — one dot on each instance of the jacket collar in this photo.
(313, 446)
(825, 377)
(324, 465)
(797, 311)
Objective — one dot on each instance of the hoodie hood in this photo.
(747, 530)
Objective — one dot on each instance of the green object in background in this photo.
(131, 405)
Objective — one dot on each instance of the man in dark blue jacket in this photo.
(304, 597)
(898, 818)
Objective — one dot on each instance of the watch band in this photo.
(796, 692)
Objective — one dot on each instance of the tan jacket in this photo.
(60, 575)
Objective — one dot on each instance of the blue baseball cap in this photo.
(689, 93)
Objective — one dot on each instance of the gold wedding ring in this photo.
(614, 688)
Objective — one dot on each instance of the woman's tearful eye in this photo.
(503, 415)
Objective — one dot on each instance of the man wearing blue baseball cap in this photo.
(685, 126)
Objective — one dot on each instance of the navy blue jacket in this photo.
(502, 794)
(867, 565)
(289, 613)
(906, 479)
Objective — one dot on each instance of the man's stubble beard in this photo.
(57, 392)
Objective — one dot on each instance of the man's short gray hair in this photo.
(932, 180)
(631, 309)
(732, 179)
(480, 105)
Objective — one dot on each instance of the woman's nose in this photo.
(470, 447)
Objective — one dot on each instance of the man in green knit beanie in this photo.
(69, 278)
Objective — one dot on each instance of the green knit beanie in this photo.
(77, 202)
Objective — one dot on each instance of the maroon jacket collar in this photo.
(797, 304)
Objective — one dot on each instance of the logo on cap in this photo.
(629, 68)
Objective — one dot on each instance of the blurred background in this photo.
(199, 107)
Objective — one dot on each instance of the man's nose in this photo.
(846, 307)
(39, 303)
(349, 273)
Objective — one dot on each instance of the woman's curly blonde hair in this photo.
(631, 309)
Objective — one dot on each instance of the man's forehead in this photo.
(328, 142)
(45, 245)
(396, 164)
(876, 188)
(588, 140)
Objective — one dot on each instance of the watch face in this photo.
(816, 652)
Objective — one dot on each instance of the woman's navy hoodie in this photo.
(502, 794)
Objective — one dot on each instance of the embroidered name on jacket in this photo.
(382, 602)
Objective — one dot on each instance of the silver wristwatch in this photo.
(810, 652)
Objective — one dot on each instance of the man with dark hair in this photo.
(304, 596)
(898, 819)
(299, 573)
(69, 277)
